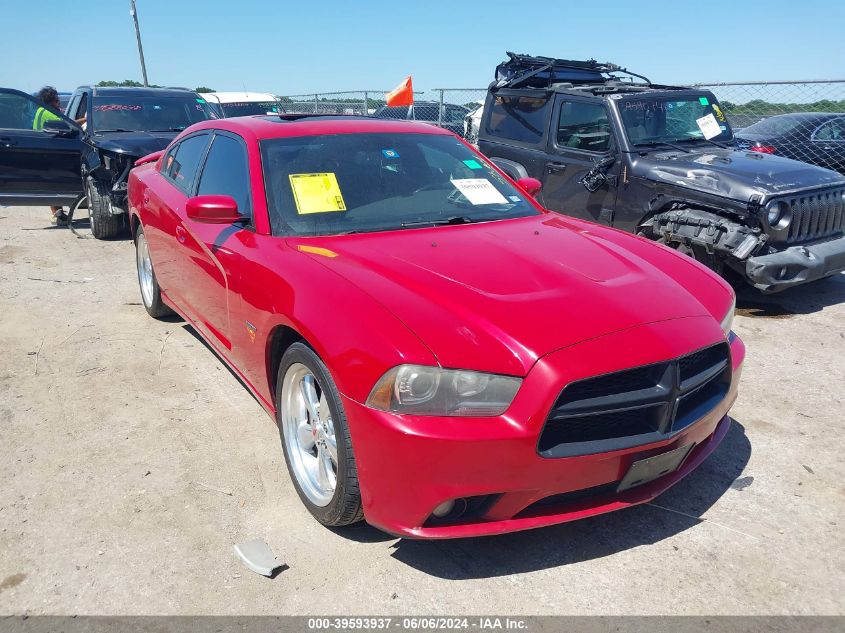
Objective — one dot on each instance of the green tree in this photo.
(126, 83)
(204, 89)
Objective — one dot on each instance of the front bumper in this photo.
(796, 265)
(409, 465)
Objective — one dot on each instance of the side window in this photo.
(226, 172)
(167, 161)
(17, 112)
(583, 126)
(519, 118)
(831, 131)
(72, 106)
(186, 160)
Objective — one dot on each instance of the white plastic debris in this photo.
(258, 557)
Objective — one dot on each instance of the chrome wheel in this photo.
(145, 269)
(309, 434)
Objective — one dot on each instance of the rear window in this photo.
(392, 112)
(519, 118)
(249, 108)
(775, 126)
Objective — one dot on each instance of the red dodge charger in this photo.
(443, 356)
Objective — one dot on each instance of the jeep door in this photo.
(37, 166)
(513, 130)
(581, 136)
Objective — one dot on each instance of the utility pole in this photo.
(134, 13)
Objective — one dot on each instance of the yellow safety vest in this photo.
(42, 115)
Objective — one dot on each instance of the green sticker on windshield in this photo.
(200, 100)
(472, 163)
(703, 101)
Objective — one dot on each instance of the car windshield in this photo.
(148, 113)
(351, 183)
(656, 119)
(249, 108)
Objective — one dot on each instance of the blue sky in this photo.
(297, 47)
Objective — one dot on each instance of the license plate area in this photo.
(645, 470)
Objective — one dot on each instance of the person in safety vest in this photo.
(49, 97)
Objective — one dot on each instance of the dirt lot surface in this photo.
(132, 461)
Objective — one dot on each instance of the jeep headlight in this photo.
(728, 321)
(424, 390)
(778, 214)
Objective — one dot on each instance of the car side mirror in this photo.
(213, 210)
(60, 127)
(596, 177)
(531, 186)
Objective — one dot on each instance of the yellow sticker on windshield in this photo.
(719, 114)
(316, 193)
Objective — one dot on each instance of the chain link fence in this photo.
(803, 120)
(814, 133)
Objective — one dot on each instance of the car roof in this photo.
(140, 91)
(821, 116)
(238, 97)
(263, 127)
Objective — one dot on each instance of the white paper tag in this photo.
(479, 191)
(709, 126)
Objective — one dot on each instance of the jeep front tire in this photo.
(104, 225)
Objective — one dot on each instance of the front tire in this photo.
(104, 225)
(150, 292)
(315, 438)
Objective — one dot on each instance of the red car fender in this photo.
(357, 350)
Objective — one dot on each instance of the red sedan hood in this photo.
(497, 296)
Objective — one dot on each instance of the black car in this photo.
(657, 161)
(60, 163)
(812, 137)
(449, 116)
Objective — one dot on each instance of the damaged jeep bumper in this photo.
(796, 265)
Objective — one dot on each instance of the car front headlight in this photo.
(424, 390)
(728, 321)
(778, 214)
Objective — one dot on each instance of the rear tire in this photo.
(104, 225)
(315, 438)
(150, 292)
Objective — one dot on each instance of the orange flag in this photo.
(401, 95)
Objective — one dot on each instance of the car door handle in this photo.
(5, 141)
(146, 198)
(181, 234)
(556, 166)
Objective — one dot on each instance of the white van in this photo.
(229, 104)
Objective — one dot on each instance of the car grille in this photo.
(636, 406)
(816, 215)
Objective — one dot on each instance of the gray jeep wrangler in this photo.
(611, 147)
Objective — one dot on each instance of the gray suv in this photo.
(612, 147)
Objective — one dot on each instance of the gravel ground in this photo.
(132, 461)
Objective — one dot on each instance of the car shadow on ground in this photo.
(803, 299)
(677, 510)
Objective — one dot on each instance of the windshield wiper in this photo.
(119, 129)
(666, 143)
(701, 138)
(455, 219)
(170, 129)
